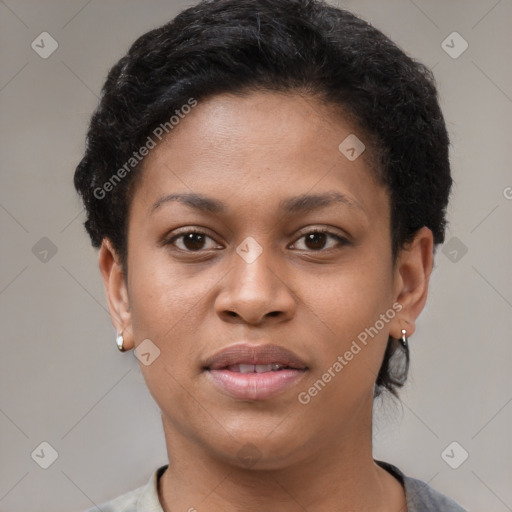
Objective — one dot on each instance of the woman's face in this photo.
(293, 251)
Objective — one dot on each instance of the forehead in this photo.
(261, 145)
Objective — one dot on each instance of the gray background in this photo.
(63, 381)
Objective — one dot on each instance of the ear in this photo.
(117, 291)
(411, 280)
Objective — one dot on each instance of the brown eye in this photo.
(192, 241)
(315, 241)
(319, 240)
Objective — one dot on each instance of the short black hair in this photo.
(292, 46)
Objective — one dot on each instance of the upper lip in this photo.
(242, 353)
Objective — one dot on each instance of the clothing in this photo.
(419, 495)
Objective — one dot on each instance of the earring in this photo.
(403, 339)
(120, 341)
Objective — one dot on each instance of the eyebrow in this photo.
(196, 201)
(300, 204)
(309, 202)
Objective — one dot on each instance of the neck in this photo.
(338, 474)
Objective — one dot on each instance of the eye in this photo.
(317, 239)
(192, 241)
(196, 241)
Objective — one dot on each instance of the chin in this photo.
(261, 450)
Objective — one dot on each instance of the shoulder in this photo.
(127, 502)
(420, 496)
(142, 499)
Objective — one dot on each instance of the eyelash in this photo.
(341, 240)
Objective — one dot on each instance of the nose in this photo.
(255, 293)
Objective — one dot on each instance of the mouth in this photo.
(258, 368)
(250, 372)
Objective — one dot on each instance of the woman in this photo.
(266, 182)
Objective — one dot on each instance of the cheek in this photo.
(350, 299)
(165, 308)
(171, 305)
(163, 296)
(348, 313)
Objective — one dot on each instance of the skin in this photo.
(251, 152)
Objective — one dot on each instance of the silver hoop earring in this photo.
(120, 341)
(403, 339)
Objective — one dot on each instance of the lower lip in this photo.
(255, 386)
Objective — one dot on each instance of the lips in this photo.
(254, 372)
(256, 368)
(261, 355)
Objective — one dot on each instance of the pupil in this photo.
(317, 240)
(193, 241)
